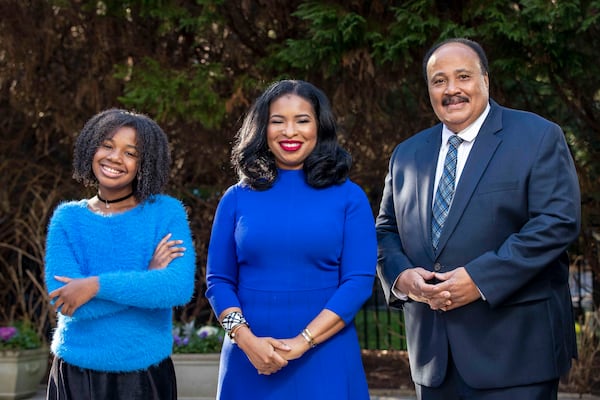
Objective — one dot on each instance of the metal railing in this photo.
(378, 326)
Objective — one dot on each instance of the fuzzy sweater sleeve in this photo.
(61, 260)
(163, 288)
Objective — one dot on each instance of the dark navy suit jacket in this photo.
(515, 211)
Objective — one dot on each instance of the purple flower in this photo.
(177, 340)
(7, 332)
(207, 331)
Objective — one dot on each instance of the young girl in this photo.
(116, 264)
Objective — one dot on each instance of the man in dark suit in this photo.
(476, 216)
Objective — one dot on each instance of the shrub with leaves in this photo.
(19, 336)
(188, 339)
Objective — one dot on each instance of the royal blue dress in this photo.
(283, 255)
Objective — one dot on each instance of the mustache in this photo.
(454, 100)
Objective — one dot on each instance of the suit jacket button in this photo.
(437, 267)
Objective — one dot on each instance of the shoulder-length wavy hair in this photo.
(328, 164)
(155, 159)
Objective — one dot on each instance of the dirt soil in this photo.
(387, 369)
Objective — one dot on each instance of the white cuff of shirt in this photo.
(399, 295)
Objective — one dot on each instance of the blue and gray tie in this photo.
(445, 191)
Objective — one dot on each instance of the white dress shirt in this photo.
(469, 134)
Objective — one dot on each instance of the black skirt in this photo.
(68, 382)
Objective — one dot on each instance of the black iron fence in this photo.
(378, 326)
(581, 282)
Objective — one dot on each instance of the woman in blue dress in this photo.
(292, 255)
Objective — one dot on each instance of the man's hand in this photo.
(460, 286)
(413, 283)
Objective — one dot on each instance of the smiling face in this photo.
(458, 89)
(291, 131)
(115, 163)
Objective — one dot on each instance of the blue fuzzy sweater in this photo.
(127, 325)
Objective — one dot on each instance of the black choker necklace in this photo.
(107, 202)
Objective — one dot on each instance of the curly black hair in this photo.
(155, 159)
(328, 164)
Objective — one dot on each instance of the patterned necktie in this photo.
(445, 191)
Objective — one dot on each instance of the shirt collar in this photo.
(470, 132)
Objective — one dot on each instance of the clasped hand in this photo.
(263, 353)
(452, 289)
(269, 355)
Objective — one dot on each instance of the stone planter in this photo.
(21, 372)
(197, 375)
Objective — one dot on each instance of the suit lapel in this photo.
(426, 165)
(482, 152)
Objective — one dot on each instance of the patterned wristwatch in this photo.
(232, 320)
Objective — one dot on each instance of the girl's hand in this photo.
(73, 294)
(165, 252)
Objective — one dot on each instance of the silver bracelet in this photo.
(308, 337)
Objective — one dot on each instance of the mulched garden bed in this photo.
(389, 370)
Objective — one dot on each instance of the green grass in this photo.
(380, 329)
